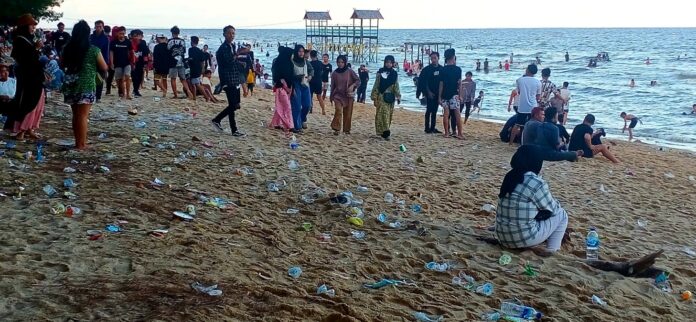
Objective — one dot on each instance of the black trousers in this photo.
(100, 87)
(551, 155)
(109, 81)
(137, 76)
(361, 92)
(431, 114)
(233, 100)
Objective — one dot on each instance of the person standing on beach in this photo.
(326, 71)
(565, 95)
(344, 81)
(429, 86)
(315, 85)
(301, 99)
(449, 92)
(529, 89)
(142, 55)
(230, 72)
(468, 94)
(364, 75)
(120, 59)
(385, 92)
(160, 61)
(634, 121)
(177, 52)
(59, 38)
(197, 59)
(100, 40)
(581, 139)
(283, 77)
(81, 62)
(547, 87)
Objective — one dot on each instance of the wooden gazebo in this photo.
(360, 41)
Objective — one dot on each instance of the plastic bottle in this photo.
(389, 197)
(490, 316)
(512, 309)
(363, 189)
(382, 217)
(293, 165)
(68, 183)
(592, 244)
(434, 266)
(358, 234)
(416, 208)
(293, 143)
(39, 152)
(49, 190)
(295, 272)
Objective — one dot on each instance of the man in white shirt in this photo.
(529, 89)
(8, 88)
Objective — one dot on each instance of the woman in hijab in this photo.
(301, 98)
(29, 98)
(81, 62)
(283, 76)
(527, 213)
(384, 93)
(344, 81)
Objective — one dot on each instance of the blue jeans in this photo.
(301, 102)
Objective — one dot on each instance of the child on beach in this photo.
(478, 102)
(251, 81)
(634, 121)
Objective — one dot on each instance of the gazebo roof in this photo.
(317, 15)
(366, 14)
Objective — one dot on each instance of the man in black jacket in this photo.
(428, 85)
(230, 71)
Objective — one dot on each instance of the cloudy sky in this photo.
(397, 14)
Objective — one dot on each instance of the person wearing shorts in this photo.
(177, 52)
(160, 62)
(450, 86)
(120, 61)
(633, 122)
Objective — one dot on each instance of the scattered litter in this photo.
(69, 170)
(669, 175)
(382, 218)
(388, 197)
(686, 295)
(358, 234)
(211, 290)
(662, 282)
(505, 259)
(113, 228)
(69, 183)
(529, 270)
(158, 232)
(356, 221)
(485, 289)
(689, 251)
(49, 190)
(416, 208)
(692, 178)
(292, 211)
(603, 189)
(323, 289)
(94, 234)
(293, 165)
(166, 169)
(363, 189)
(306, 226)
(157, 182)
(642, 223)
(140, 125)
(437, 267)
(182, 216)
(402, 148)
(324, 237)
(597, 300)
(488, 208)
(386, 282)
(104, 169)
(424, 317)
(295, 272)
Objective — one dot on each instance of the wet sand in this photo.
(51, 270)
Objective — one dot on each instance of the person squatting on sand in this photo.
(384, 93)
(582, 139)
(527, 214)
(344, 81)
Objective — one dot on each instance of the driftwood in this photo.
(642, 267)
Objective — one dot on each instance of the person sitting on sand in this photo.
(531, 128)
(634, 121)
(283, 78)
(207, 84)
(265, 82)
(549, 140)
(527, 214)
(582, 137)
(385, 92)
(507, 129)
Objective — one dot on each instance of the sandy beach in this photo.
(50, 269)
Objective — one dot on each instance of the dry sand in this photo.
(50, 270)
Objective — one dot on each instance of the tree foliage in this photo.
(40, 9)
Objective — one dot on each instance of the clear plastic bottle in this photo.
(592, 244)
(512, 309)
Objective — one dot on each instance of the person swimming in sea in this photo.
(693, 111)
(632, 83)
(633, 122)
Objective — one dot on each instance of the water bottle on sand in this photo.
(511, 309)
(592, 244)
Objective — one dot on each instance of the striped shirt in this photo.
(515, 223)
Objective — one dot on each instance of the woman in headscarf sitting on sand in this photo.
(528, 215)
(384, 93)
(283, 76)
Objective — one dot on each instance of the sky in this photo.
(398, 14)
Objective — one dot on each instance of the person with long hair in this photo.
(283, 76)
(81, 62)
(301, 98)
(344, 81)
(527, 214)
(28, 108)
(384, 93)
